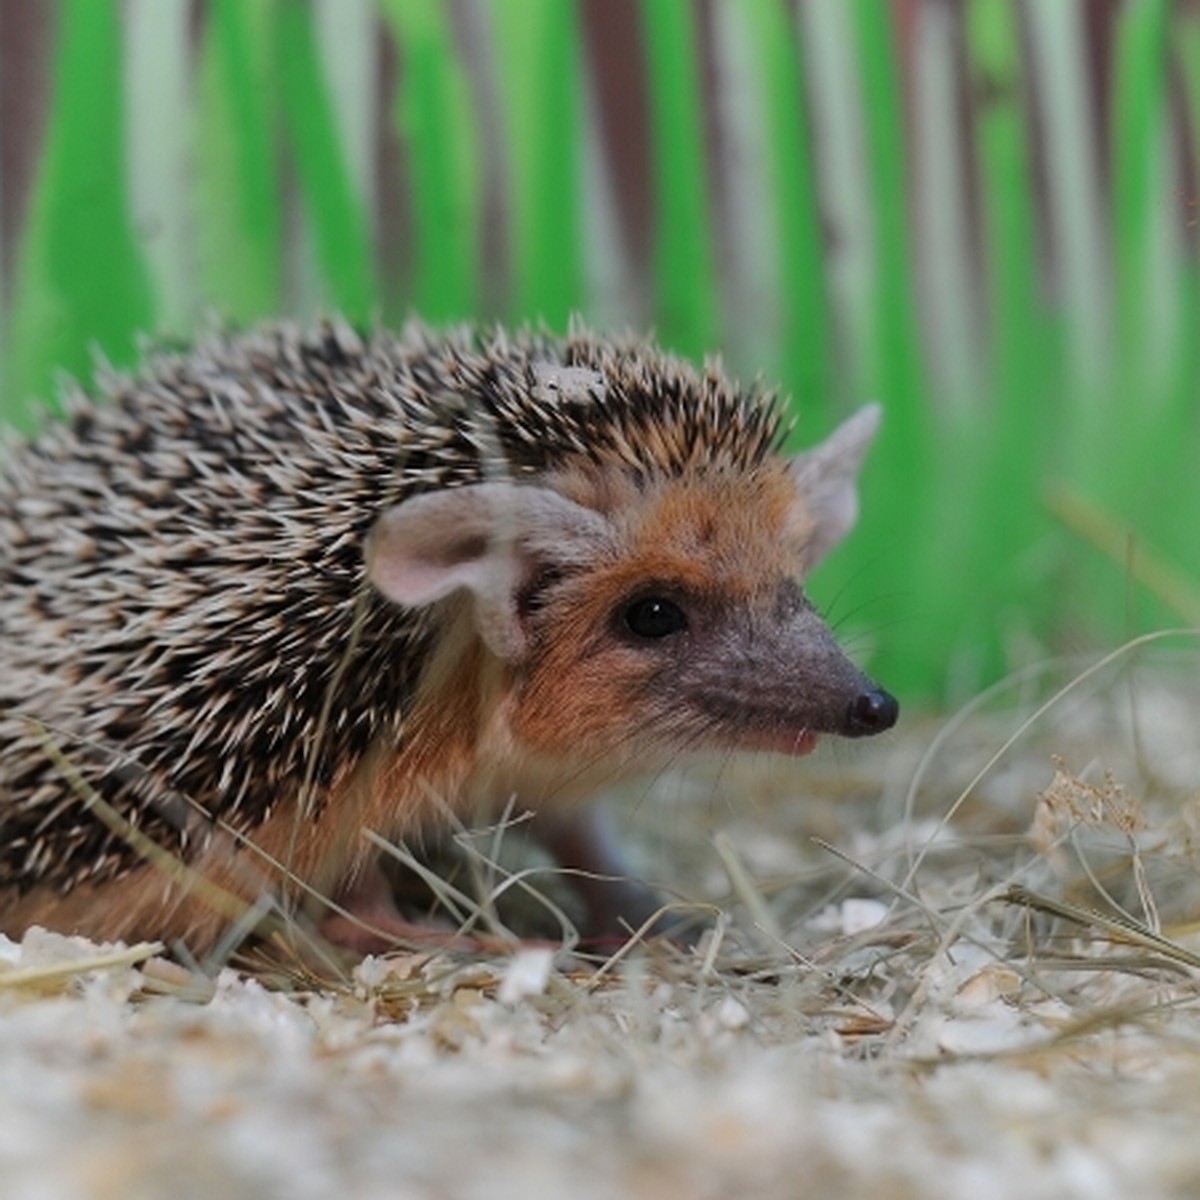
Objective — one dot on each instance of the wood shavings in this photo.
(965, 1031)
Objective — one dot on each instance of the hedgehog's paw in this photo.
(364, 920)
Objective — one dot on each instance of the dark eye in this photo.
(654, 617)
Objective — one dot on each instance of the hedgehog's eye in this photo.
(654, 617)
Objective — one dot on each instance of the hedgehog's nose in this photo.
(871, 712)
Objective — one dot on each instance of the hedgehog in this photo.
(288, 586)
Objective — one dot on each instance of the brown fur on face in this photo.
(719, 541)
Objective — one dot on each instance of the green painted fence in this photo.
(972, 212)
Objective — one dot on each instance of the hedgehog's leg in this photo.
(364, 917)
(618, 904)
(367, 921)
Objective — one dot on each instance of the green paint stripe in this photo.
(1174, 525)
(349, 36)
(686, 308)
(156, 106)
(1139, 108)
(805, 365)
(941, 218)
(338, 221)
(1075, 203)
(898, 374)
(1187, 211)
(995, 456)
(81, 282)
(1018, 319)
(435, 121)
(538, 58)
(903, 474)
(1155, 474)
(238, 202)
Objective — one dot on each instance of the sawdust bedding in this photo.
(956, 963)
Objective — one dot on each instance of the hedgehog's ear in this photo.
(490, 539)
(827, 479)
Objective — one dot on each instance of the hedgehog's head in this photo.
(647, 613)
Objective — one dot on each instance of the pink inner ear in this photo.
(414, 563)
(429, 545)
(482, 538)
(410, 582)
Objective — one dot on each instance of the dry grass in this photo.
(958, 962)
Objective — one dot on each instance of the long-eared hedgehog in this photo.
(284, 587)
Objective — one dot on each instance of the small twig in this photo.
(1120, 928)
(53, 973)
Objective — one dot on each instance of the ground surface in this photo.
(883, 1013)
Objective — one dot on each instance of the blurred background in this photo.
(983, 213)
